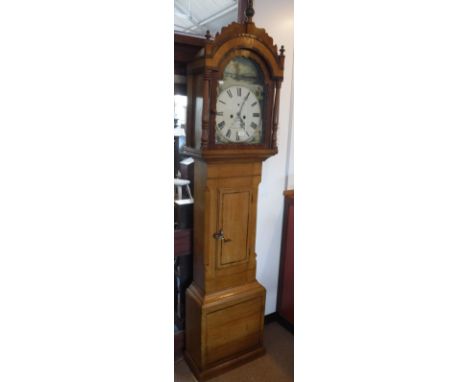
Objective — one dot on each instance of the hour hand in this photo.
(242, 123)
(239, 117)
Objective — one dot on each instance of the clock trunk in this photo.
(225, 303)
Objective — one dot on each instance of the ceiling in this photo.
(198, 16)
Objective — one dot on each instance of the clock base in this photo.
(206, 374)
(223, 329)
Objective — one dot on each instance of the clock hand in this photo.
(238, 116)
(243, 102)
(240, 110)
(242, 123)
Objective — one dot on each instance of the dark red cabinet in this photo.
(285, 302)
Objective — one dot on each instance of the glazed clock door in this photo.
(234, 220)
(240, 103)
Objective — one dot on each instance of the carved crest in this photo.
(245, 35)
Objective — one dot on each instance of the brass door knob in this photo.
(220, 236)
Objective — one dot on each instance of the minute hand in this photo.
(243, 103)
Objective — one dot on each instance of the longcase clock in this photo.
(233, 89)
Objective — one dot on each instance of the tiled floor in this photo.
(277, 365)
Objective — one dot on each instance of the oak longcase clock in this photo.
(233, 89)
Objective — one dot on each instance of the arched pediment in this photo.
(244, 36)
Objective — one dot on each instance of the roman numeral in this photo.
(237, 136)
(247, 96)
(253, 125)
(229, 93)
(222, 101)
(256, 114)
(254, 103)
(220, 113)
(221, 125)
(239, 92)
(228, 134)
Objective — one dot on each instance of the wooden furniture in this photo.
(182, 278)
(182, 268)
(185, 49)
(285, 301)
(225, 302)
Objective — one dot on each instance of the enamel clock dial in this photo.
(238, 116)
(239, 103)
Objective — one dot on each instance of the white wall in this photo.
(276, 16)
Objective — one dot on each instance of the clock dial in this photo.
(238, 115)
(239, 104)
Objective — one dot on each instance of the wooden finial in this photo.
(282, 50)
(249, 12)
(208, 35)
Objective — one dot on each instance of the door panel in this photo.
(234, 214)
